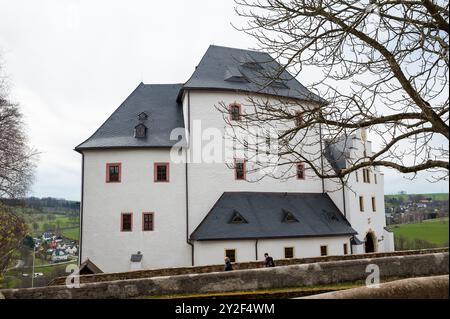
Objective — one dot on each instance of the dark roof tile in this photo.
(164, 113)
(316, 213)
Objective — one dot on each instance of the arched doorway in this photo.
(369, 243)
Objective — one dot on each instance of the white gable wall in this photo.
(103, 242)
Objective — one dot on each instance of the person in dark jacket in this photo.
(268, 261)
(228, 265)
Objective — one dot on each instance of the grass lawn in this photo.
(434, 231)
(73, 233)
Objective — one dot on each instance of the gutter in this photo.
(344, 202)
(188, 241)
(256, 249)
(321, 157)
(80, 243)
(343, 199)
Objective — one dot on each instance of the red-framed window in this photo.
(148, 221)
(240, 167)
(161, 172)
(301, 171)
(235, 112)
(299, 118)
(126, 222)
(113, 172)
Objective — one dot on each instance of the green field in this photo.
(434, 231)
(73, 233)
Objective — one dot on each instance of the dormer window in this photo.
(140, 131)
(232, 74)
(249, 62)
(289, 217)
(142, 116)
(278, 84)
(237, 218)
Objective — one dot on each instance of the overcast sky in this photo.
(71, 63)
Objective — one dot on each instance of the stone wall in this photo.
(320, 273)
(237, 266)
(435, 287)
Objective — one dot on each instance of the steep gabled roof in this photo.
(221, 68)
(247, 71)
(164, 113)
(316, 213)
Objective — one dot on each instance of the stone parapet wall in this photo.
(435, 287)
(320, 273)
(237, 266)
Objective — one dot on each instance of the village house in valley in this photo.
(142, 209)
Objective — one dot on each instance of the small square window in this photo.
(323, 250)
(161, 172)
(345, 249)
(113, 172)
(140, 131)
(235, 112)
(147, 221)
(289, 252)
(231, 253)
(126, 222)
(239, 169)
(300, 171)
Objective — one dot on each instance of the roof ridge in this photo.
(154, 84)
(238, 49)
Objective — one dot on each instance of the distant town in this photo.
(404, 208)
(50, 245)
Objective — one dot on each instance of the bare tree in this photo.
(16, 157)
(382, 66)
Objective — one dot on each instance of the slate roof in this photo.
(220, 66)
(316, 213)
(356, 241)
(88, 267)
(158, 101)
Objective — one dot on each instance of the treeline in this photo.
(38, 203)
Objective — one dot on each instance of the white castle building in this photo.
(141, 207)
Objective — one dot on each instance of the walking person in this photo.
(228, 265)
(268, 261)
